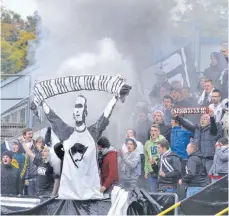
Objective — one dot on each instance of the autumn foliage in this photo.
(15, 34)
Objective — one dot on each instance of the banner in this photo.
(208, 201)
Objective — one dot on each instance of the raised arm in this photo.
(59, 127)
(97, 129)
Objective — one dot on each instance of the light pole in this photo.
(29, 122)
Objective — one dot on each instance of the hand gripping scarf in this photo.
(52, 87)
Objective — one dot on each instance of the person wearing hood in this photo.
(213, 72)
(151, 157)
(10, 176)
(169, 168)
(129, 164)
(196, 175)
(108, 165)
(220, 164)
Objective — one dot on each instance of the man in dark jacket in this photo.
(205, 135)
(213, 72)
(169, 168)
(109, 165)
(196, 175)
(158, 118)
(10, 176)
(31, 171)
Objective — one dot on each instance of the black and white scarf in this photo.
(52, 87)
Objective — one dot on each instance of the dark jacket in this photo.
(204, 137)
(31, 171)
(45, 176)
(165, 130)
(170, 164)
(179, 140)
(213, 73)
(220, 164)
(196, 174)
(10, 180)
(109, 169)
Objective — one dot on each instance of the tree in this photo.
(14, 42)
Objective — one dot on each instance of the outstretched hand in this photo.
(124, 92)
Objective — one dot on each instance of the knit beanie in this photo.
(7, 153)
(133, 141)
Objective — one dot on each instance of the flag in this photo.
(179, 65)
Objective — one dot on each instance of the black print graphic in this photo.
(77, 152)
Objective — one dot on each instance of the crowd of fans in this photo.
(162, 152)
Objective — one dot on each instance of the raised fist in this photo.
(124, 92)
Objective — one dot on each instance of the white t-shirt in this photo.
(217, 111)
(80, 178)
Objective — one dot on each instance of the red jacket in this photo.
(109, 169)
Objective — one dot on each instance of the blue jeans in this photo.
(192, 190)
(153, 183)
(170, 190)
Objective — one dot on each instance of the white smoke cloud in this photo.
(99, 37)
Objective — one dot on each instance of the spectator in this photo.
(200, 87)
(177, 98)
(5, 146)
(180, 138)
(130, 133)
(220, 163)
(225, 119)
(167, 105)
(10, 176)
(205, 136)
(31, 172)
(176, 84)
(162, 85)
(151, 156)
(45, 177)
(19, 161)
(169, 168)
(216, 106)
(196, 176)
(143, 125)
(215, 69)
(109, 165)
(28, 137)
(186, 96)
(165, 108)
(158, 118)
(205, 98)
(129, 164)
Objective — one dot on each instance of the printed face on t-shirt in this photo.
(79, 110)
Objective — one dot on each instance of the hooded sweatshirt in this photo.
(151, 151)
(129, 166)
(109, 167)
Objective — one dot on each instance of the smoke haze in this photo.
(100, 37)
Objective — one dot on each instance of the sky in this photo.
(23, 7)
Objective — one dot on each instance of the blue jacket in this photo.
(179, 140)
